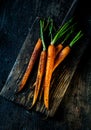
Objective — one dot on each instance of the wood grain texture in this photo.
(61, 77)
(77, 100)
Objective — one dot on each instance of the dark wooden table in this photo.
(16, 18)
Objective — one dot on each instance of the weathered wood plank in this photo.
(61, 77)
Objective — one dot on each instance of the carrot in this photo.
(41, 71)
(58, 48)
(63, 54)
(41, 66)
(31, 63)
(48, 74)
(50, 62)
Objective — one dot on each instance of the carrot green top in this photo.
(76, 38)
(62, 30)
(41, 33)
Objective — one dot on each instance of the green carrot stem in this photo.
(76, 38)
(48, 21)
(68, 35)
(61, 31)
(41, 33)
(66, 24)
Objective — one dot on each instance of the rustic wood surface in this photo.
(60, 81)
(74, 111)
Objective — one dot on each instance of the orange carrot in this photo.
(63, 54)
(31, 63)
(48, 74)
(58, 48)
(41, 66)
(41, 71)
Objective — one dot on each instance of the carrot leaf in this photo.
(76, 38)
(62, 30)
(41, 33)
(68, 35)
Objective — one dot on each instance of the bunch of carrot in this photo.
(50, 58)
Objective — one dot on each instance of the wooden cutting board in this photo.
(60, 81)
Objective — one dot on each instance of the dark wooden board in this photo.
(60, 81)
